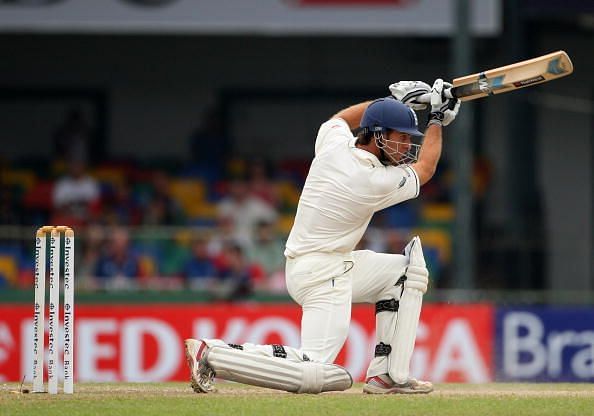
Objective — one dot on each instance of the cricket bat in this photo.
(510, 77)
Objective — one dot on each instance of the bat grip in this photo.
(449, 93)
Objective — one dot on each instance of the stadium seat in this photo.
(148, 266)
(437, 213)
(40, 195)
(189, 193)
(9, 269)
(109, 175)
(436, 238)
(288, 193)
(24, 179)
(400, 216)
(204, 211)
(285, 223)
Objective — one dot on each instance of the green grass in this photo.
(232, 399)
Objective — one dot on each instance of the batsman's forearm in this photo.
(429, 154)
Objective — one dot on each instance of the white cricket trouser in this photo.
(325, 285)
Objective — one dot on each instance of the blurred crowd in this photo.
(216, 223)
(157, 227)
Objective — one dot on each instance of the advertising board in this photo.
(145, 342)
(545, 344)
(267, 17)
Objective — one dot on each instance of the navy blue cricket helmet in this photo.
(388, 113)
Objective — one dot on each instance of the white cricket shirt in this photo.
(343, 189)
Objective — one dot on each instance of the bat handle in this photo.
(449, 93)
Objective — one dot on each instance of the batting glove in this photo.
(443, 110)
(409, 92)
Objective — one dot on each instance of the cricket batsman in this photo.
(350, 179)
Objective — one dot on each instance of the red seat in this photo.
(40, 196)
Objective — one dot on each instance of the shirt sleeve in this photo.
(396, 184)
(335, 130)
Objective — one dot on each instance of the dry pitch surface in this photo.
(233, 399)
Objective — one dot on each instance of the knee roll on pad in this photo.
(275, 372)
(417, 277)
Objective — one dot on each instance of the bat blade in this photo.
(511, 77)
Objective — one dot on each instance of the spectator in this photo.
(122, 208)
(244, 210)
(224, 234)
(267, 249)
(162, 208)
(237, 276)
(208, 143)
(9, 212)
(118, 266)
(395, 241)
(260, 184)
(199, 271)
(92, 247)
(75, 196)
(72, 138)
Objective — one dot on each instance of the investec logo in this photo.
(37, 255)
(36, 339)
(67, 255)
(67, 327)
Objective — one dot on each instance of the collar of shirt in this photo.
(364, 154)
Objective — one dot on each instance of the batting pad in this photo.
(406, 332)
(409, 311)
(276, 373)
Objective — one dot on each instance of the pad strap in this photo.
(279, 351)
(382, 350)
(386, 306)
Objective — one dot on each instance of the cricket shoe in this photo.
(383, 384)
(201, 374)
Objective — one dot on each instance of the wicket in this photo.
(54, 309)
